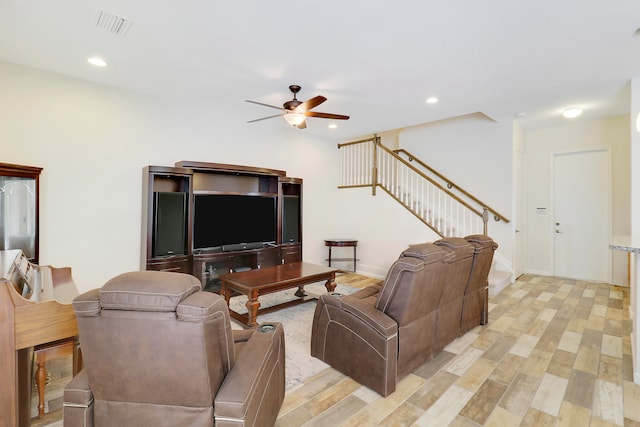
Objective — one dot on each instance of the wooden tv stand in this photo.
(199, 178)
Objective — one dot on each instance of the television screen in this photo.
(229, 219)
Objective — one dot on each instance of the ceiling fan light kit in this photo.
(572, 113)
(295, 111)
(294, 119)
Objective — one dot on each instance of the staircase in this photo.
(498, 280)
(440, 204)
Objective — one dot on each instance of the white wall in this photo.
(540, 146)
(93, 142)
(381, 225)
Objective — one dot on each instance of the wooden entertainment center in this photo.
(197, 216)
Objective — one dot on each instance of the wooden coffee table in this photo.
(254, 283)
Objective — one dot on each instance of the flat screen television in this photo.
(230, 219)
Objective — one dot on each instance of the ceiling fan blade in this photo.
(326, 115)
(310, 103)
(265, 105)
(265, 118)
(302, 125)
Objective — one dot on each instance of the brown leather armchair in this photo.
(476, 296)
(383, 332)
(157, 351)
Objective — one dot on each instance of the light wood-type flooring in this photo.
(555, 353)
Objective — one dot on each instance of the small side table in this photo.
(331, 243)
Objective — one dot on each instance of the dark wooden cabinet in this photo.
(166, 219)
(290, 253)
(210, 219)
(176, 264)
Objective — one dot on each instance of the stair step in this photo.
(498, 280)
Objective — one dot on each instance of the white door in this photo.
(582, 219)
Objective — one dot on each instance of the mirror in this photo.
(19, 191)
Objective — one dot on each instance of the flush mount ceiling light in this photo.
(294, 119)
(572, 113)
(332, 126)
(432, 100)
(98, 62)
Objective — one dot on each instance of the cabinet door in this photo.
(268, 257)
(209, 269)
(175, 265)
(290, 253)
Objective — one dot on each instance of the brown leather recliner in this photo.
(476, 296)
(157, 351)
(383, 332)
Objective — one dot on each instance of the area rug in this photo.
(296, 321)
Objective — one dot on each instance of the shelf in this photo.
(241, 193)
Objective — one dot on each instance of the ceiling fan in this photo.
(295, 111)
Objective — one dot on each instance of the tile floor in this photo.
(555, 353)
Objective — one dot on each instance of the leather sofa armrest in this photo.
(242, 335)
(357, 339)
(254, 388)
(364, 311)
(78, 402)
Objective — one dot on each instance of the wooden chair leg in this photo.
(41, 379)
(54, 349)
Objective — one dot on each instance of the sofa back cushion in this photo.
(483, 250)
(147, 339)
(413, 285)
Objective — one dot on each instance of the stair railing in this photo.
(450, 184)
(367, 163)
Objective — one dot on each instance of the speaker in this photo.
(290, 219)
(170, 224)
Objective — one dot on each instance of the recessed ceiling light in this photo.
(333, 126)
(98, 62)
(572, 113)
(432, 100)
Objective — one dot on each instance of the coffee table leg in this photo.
(225, 293)
(331, 283)
(300, 292)
(252, 308)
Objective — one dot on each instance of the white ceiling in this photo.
(374, 60)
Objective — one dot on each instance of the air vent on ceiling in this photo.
(113, 23)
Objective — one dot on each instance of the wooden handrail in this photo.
(435, 184)
(345, 144)
(414, 170)
(497, 216)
